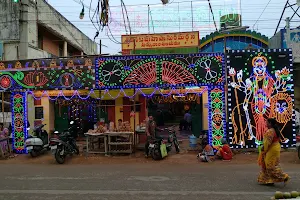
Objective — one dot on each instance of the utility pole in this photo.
(288, 33)
(100, 46)
(148, 19)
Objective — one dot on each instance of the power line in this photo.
(261, 13)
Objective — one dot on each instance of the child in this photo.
(207, 153)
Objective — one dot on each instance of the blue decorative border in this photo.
(230, 131)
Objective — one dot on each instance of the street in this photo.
(139, 181)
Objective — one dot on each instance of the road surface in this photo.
(136, 181)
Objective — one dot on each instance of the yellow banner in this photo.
(157, 41)
(56, 92)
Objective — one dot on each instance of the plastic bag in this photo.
(163, 150)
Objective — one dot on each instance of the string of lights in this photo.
(92, 94)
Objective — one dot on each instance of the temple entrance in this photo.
(184, 111)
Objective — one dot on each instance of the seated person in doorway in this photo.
(151, 129)
(186, 123)
(119, 125)
(207, 154)
(224, 152)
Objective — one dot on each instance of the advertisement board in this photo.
(157, 41)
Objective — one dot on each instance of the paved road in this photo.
(137, 181)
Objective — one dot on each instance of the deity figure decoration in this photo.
(259, 90)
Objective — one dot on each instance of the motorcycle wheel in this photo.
(34, 154)
(299, 152)
(176, 146)
(156, 155)
(60, 159)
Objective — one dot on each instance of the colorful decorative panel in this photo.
(260, 86)
(217, 116)
(19, 121)
(47, 74)
(165, 70)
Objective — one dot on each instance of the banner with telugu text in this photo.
(164, 40)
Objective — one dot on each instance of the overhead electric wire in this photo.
(261, 13)
(187, 1)
(212, 15)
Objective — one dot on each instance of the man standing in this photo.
(188, 119)
(186, 123)
(150, 132)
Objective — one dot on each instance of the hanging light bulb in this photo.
(81, 15)
(165, 1)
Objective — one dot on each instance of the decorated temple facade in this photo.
(42, 88)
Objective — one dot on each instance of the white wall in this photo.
(10, 51)
(34, 53)
(9, 20)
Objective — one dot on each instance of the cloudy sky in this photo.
(259, 15)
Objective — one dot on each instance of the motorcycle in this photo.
(65, 144)
(156, 143)
(38, 142)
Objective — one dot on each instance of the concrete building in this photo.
(290, 38)
(31, 29)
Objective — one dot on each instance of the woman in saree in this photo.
(269, 157)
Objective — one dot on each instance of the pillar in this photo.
(19, 120)
(205, 106)
(119, 109)
(65, 49)
(126, 109)
(49, 114)
(143, 102)
(216, 115)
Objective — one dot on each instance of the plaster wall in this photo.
(35, 53)
(10, 51)
(9, 20)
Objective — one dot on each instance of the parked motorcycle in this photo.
(65, 144)
(38, 142)
(156, 143)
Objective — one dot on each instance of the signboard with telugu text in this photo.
(164, 40)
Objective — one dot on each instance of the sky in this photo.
(177, 16)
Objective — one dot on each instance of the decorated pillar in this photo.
(19, 120)
(216, 115)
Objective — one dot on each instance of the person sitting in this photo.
(207, 153)
(224, 152)
(120, 123)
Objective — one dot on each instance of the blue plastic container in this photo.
(193, 141)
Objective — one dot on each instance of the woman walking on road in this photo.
(269, 157)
